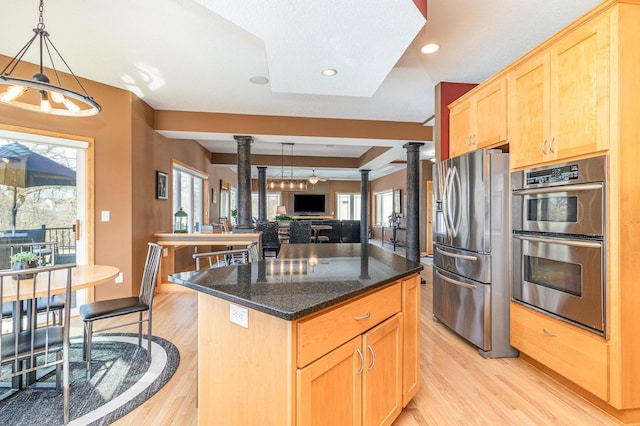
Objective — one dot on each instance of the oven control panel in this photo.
(552, 175)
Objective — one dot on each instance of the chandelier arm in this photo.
(49, 42)
(16, 59)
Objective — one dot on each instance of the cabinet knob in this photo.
(543, 148)
(553, 151)
(550, 333)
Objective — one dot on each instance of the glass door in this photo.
(43, 195)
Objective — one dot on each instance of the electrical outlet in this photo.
(165, 252)
(119, 278)
(238, 315)
(105, 215)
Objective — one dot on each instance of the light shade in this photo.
(38, 94)
(281, 210)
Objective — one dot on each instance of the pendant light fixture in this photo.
(38, 93)
(287, 183)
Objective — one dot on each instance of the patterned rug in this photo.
(121, 380)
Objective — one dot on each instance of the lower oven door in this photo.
(561, 276)
(464, 306)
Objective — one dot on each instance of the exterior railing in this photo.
(62, 238)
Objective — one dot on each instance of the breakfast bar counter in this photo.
(322, 330)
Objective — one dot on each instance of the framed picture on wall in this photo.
(161, 185)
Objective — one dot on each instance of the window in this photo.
(384, 207)
(233, 198)
(187, 194)
(273, 201)
(348, 206)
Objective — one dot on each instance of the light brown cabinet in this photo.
(358, 383)
(572, 97)
(357, 363)
(560, 98)
(576, 354)
(479, 118)
(575, 96)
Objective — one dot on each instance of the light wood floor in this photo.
(458, 385)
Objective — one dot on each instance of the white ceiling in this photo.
(198, 55)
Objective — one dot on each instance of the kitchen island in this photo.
(324, 332)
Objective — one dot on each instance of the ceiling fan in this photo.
(313, 179)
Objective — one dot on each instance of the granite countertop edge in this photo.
(294, 315)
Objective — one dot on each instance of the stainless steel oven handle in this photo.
(551, 189)
(457, 256)
(571, 243)
(458, 283)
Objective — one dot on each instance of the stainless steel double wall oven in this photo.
(558, 218)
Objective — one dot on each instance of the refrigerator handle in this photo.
(456, 206)
(447, 202)
(456, 282)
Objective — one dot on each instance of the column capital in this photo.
(413, 146)
(243, 139)
(260, 168)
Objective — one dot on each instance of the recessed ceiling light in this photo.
(329, 72)
(258, 79)
(430, 48)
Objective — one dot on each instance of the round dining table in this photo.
(82, 277)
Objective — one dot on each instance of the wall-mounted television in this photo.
(308, 203)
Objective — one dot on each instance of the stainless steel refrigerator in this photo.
(471, 258)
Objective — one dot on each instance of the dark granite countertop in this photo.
(304, 279)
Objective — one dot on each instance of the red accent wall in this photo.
(422, 7)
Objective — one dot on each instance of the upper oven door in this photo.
(567, 209)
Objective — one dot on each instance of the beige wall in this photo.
(127, 152)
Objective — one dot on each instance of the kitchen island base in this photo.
(330, 363)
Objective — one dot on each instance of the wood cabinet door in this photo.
(460, 129)
(580, 96)
(529, 112)
(410, 338)
(329, 390)
(382, 378)
(489, 115)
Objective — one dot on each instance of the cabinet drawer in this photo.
(321, 334)
(571, 352)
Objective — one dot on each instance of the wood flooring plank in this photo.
(458, 386)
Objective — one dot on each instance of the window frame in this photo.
(195, 210)
(381, 208)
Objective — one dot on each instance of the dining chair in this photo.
(45, 251)
(54, 306)
(33, 340)
(300, 232)
(270, 238)
(220, 258)
(103, 309)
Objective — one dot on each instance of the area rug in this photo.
(121, 380)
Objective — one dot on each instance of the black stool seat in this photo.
(24, 341)
(112, 308)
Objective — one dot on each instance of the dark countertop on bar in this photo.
(304, 279)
